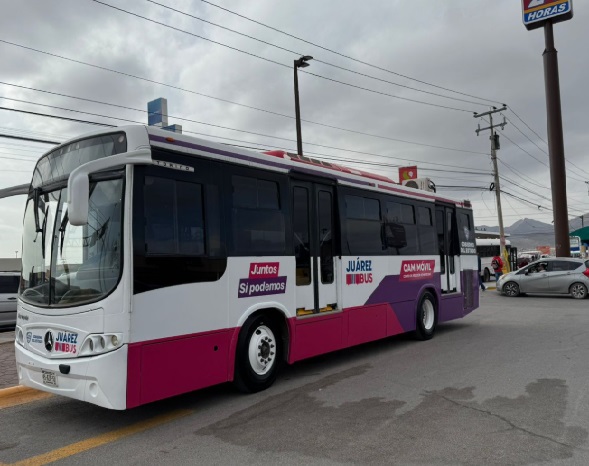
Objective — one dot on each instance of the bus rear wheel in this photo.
(427, 317)
(259, 353)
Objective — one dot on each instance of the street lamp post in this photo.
(300, 63)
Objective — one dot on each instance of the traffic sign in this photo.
(537, 12)
(575, 243)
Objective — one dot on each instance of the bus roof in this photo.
(277, 160)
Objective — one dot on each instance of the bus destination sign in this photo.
(537, 12)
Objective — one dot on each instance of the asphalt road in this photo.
(508, 385)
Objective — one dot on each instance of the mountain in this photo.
(528, 233)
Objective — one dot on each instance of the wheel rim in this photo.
(578, 290)
(262, 350)
(510, 289)
(428, 314)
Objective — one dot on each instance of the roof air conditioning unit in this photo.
(425, 184)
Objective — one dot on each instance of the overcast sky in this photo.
(475, 47)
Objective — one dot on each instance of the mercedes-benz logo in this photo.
(48, 340)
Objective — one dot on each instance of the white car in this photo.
(8, 296)
(555, 275)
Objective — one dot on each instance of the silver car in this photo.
(8, 295)
(557, 275)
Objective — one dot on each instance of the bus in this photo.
(487, 248)
(156, 264)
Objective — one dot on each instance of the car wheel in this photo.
(511, 289)
(259, 353)
(486, 275)
(427, 317)
(578, 291)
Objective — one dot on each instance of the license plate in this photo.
(49, 378)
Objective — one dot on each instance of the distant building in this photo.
(10, 265)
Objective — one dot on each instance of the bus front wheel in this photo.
(486, 275)
(427, 317)
(258, 355)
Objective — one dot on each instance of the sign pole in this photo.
(556, 145)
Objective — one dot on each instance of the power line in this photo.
(216, 126)
(528, 192)
(315, 59)
(20, 132)
(8, 136)
(199, 122)
(280, 64)
(543, 151)
(525, 200)
(349, 57)
(536, 159)
(55, 116)
(537, 135)
(215, 98)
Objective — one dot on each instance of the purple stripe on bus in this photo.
(248, 158)
(401, 296)
(391, 290)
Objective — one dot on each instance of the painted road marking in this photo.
(14, 396)
(99, 440)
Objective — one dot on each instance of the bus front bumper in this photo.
(100, 380)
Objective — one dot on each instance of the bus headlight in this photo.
(100, 343)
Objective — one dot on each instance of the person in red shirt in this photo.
(497, 264)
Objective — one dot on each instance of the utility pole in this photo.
(494, 148)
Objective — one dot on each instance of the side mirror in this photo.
(78, 187)
(78, 192)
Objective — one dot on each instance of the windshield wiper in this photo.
(62, 228)
(43, 230)
(36, 195)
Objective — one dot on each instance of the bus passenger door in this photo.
(313, 238)
(447, 238)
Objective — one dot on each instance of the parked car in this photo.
(8, 293)
(556, 275)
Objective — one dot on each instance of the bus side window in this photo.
(363, 225)
(426, 232)
(174, 220)
(257, 216)
(401, 229)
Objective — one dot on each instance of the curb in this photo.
(16, 390)
(19, 394)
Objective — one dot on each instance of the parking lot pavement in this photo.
(8, 377)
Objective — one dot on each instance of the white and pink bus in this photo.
(156, 264)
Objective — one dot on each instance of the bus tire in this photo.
(259, 352)
(427, 317)
(486, 275)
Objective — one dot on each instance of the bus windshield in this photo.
(62, 264)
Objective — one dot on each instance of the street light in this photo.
(300, 63)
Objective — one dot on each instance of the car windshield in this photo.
(62, 264)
